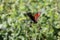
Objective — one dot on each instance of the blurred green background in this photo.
(14, 25)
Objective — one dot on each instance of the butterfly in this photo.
(34, 17)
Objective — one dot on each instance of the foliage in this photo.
(14, 25)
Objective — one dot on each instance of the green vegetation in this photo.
(14, 25)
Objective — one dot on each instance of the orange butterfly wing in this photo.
(36, 16)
